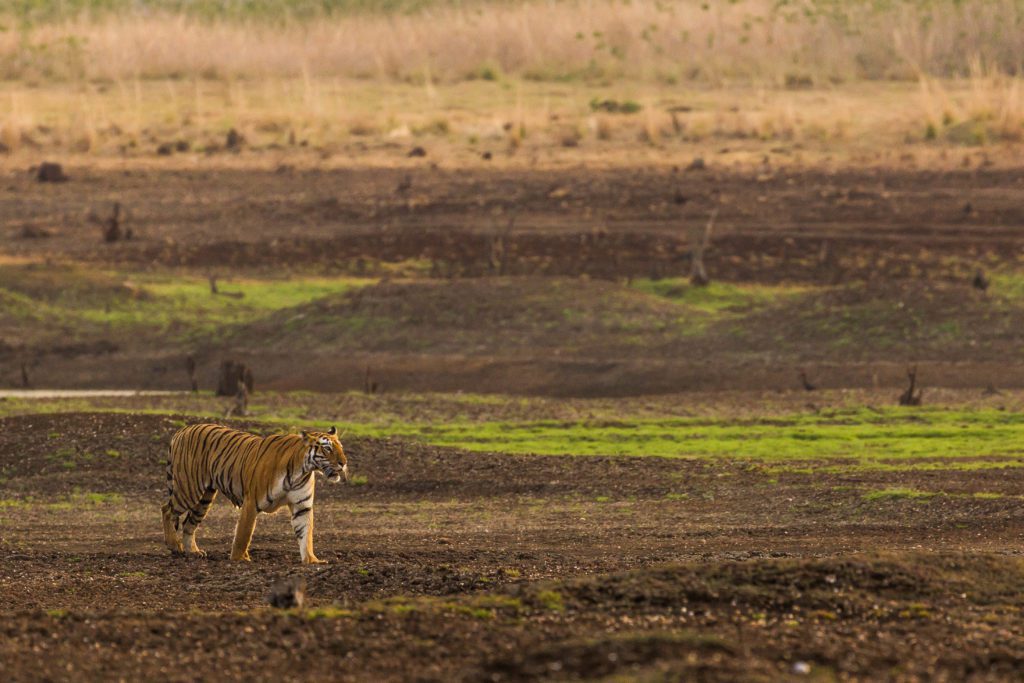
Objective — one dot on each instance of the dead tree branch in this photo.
(908, 397)
(699, 240)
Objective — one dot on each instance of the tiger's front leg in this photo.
(302, 525)
(243, 531)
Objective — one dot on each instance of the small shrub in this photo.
(615, 106)
(551, 600)
(329, 612)
(897, 493)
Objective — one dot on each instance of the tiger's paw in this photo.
(196, 552)
(241, 558)
(313, 560)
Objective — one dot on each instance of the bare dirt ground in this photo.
(898, 247)
(447, 565)
(815, 224)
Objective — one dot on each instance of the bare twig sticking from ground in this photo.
(805, 382)
(215, 290)
(497, 246)
(190, 367)
(241, 406)
(699, 240)
(112, 228)
(369, 385)
(908, 397)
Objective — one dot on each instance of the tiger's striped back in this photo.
(213, 457)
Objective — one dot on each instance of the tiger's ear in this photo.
(305, 435)
(332, 431)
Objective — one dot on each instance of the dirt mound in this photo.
(476, 317)
(912, 319)
(708, 657)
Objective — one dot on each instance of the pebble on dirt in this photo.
(287, 593)
(50, 172)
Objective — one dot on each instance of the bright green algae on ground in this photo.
(877, 439)
(839, 439)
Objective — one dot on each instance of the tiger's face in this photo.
(325, 453)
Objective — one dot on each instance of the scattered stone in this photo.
(287, 593)
(165, 150)
(234, 140)
(697, 164)
(417, 152)
(33, 232)
(50, 172)
(486, 156)
(801, 668)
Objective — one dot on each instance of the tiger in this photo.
(256, 473)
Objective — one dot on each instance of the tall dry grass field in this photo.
(712, 41)
(126, 76)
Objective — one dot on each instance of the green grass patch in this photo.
(550, 600)
(176, 308)
(329, 612)
(898, 493)
(717, 297)
(838, 440)
(81, 499)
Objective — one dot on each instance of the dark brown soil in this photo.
(811, 225)
(899, 247)
(448, 565)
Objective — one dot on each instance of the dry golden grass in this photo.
(523, 79)
(518, 122)
(813, 42)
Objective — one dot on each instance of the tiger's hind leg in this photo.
(171, 518)
(193, 519)
(172, 512)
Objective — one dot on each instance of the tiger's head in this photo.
(324, 453)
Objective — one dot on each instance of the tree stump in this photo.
(231, 373)
(287, 593)
(190, 366)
